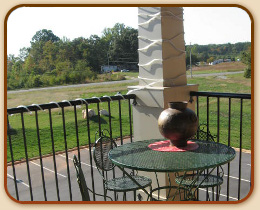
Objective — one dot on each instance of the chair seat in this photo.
(123, 184)
(209, 180)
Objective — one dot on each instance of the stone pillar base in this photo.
(151, 102)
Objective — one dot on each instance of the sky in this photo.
(202, 25)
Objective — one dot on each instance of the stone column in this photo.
(162, 69)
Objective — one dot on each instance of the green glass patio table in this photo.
(138, 156)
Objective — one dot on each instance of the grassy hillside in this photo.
(216, 84)
(221, 67)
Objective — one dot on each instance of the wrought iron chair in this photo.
(120, 184)
(202, 180)
(84, 190)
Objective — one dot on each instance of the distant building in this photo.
(227, 60)
(107, 69)
(217, 62)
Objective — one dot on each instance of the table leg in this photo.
(171, 192)
(192, 187)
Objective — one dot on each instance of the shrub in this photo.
(34, 81)
(121, 77)
(247, 72)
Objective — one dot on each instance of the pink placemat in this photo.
(164, 146)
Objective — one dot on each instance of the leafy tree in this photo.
(50, 50)
(10, 62)
(211, 59)
(24, 52)
(97, 52)
(246, 59)
(34, 81)
(194, 60)
(54, 61)
(62, 67)
(38, 42)
(203, 56)
(123, 44)
(43, 36)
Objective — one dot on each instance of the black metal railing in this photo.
(228, 117)
(39, 158)
(40, 146)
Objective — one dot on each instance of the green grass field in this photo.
(70, 129)
(234, 84)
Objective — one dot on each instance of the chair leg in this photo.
(134, 195)
(150, 194)
(218, 193)
(105, 194)
(148, 197)
(116, 196)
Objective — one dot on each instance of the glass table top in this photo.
(139, 156)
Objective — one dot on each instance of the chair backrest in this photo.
(100, 152)
(203, 134)
(81, 180)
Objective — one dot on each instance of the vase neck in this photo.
(178, 105)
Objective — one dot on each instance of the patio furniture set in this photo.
(192, 168)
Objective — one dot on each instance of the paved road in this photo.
(37, 187)
(71, 86)
(112, 82)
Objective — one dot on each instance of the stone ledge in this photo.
(160, 96)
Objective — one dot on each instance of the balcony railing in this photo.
(228, 117)
(40, 146)
(40, 159)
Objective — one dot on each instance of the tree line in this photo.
(209, 53)
(51, 60)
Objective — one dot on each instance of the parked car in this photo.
(124, 70)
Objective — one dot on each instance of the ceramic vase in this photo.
(178, 123)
